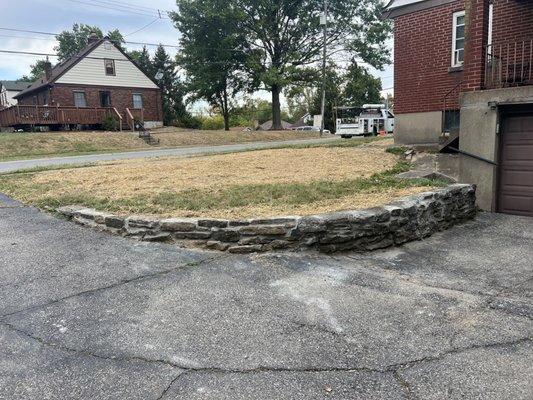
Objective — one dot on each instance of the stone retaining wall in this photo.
(407, 219)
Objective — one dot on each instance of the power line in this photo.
(144, 27)
(125, 42)
(128, 5)
(116, 9)
(37, 54)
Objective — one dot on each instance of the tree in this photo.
(360, 86)
(173, 106)
(288, 38)
(213, 52)
(72, 42)
(333, 97)
(36, 71)
(142, 58)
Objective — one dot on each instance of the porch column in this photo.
(477, 28)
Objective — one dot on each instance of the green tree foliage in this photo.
(333, 97)
(75, 40)
(173, 107)
(214, 52)
(142, 58)
(360, 86)
(287, 37)
(36, 71)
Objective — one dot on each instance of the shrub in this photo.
(110, 123)
(213, 123)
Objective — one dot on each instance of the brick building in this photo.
(100, 76)
(464, 75)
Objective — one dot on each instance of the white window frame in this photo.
(456, 16)
(133, 101)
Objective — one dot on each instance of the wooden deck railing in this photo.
(49, 115)
(132, 115)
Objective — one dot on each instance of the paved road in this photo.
(8, 166)
(85, 315)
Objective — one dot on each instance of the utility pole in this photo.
(324, 23)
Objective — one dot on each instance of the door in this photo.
(515, 192)
(105, 99)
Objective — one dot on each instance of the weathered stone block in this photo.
(245, 249)
(226, 235)
(178, 225)
(69, 211)
(264, 230)
(213, 223)
(157, 237)
(113, 221)
(139, 221)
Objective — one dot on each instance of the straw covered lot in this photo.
(289, 181)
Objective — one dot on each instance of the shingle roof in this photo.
(15, 86)
(60, 68)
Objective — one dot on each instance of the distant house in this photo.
(100, 76)
(9, 89)
(266, 126)
(306, 120)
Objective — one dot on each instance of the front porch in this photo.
(24, 117)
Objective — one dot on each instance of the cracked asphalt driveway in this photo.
(85, 315)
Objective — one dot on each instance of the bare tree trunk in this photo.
(225, 111)
(276, 109)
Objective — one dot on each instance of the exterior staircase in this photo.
(449, 139)
(145, 134)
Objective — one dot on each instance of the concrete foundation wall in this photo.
(479, 135)
(418, 128)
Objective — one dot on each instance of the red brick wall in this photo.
(422, 58)
(121, 98)
(37, 98)
(477, 28)
(513, 21)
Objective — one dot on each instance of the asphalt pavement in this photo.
(87, 315)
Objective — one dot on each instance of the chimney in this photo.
(93, 37)
(48, 69)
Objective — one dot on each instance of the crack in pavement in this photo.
(404, 384)
(393, 369)
(139, 278)
(387, 369)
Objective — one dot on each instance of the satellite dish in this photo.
(159, 75)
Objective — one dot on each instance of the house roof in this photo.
(15, 86)
(268, 125)
(396, 8)
(59, 69)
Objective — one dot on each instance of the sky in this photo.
(55, 16)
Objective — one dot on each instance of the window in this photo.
(137, 100)
(79, 99)
(458, 43)
(105, 99)
(109, 67)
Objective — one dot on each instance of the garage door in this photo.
(516, 170)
